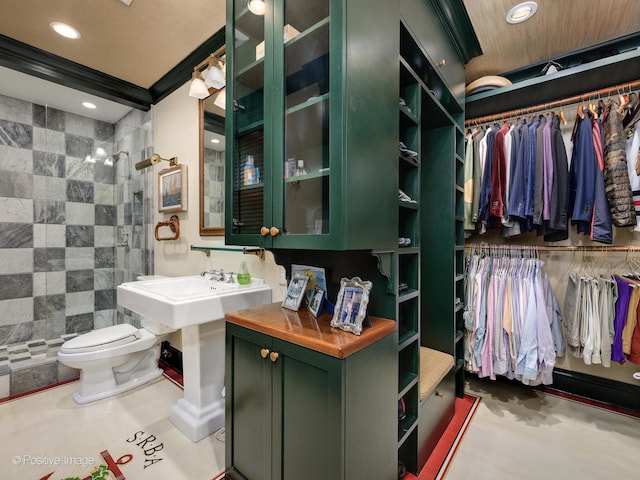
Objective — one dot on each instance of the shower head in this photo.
(110, 160)
(101, 155)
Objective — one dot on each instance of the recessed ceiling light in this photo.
(65, 30)
(257, 7)
(521, 12)
(89, 105)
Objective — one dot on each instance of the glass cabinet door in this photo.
(302, 45)
(249, 158)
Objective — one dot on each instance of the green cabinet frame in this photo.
(361, 126)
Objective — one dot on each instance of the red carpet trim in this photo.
(443, 453)
(172, 375)
(41, 389)
(588, 401)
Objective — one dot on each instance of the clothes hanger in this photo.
(563, 120)
(624, 101)
(635, 114)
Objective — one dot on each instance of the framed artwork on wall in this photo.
(172, 189)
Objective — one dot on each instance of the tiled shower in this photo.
(70, 232)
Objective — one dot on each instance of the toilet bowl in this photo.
(111, 360)
(114, 359)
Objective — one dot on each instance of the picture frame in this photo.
(351, 305)
(172, 189)
(295, 292)
(316, 301)
(316, 275)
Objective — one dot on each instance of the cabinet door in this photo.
(250, 125)
(307, 419)
(301, 52)
(248, 404)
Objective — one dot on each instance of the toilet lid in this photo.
(102, 338)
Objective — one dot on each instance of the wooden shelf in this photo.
(606, 72)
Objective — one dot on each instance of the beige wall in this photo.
(176, 134)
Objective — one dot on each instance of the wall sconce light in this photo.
(221, 99)
(209, 75)
(155, 158)
(215, 75)
(198, 88)
(257, 7)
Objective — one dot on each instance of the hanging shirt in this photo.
(538, 183)
(601, 225)
(622, 309)
(634, 353)
(573, 314)
(517, 191)
(616, 177)
(558, 210)
(582, 177)
(477, 174)
(498, 174)
(468, 184)
(633, 167)
(485, 190)
(608, 295)
(547, 169)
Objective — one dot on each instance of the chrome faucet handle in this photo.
(230, 278)
(217, 275)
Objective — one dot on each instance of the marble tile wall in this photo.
(214, 185)
(61, 221)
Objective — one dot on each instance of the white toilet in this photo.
(114, 359)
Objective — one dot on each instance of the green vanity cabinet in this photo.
(310, 83)
(295, 412)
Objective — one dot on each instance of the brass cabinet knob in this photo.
(442, 63)
(264, 231)
(264, 352)
(274, 231)
(273, 356)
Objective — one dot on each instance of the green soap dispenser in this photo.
(243, 274)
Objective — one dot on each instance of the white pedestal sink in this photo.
(197, 306)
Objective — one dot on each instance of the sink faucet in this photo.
(216, 274)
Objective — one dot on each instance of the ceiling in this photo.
(138, 43)
(142, 42)
(557, 28)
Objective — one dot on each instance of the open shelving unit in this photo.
(430, 273)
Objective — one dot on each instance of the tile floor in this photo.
(28, 366)
(520, 433)
(45, 435)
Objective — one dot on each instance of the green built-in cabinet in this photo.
(295, 412)
(311, 82)
(321, 82)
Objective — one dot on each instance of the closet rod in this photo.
(603, 92)
(559, 248)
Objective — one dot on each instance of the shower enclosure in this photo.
(74, 224)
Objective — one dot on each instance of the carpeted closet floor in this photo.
(523, 434)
